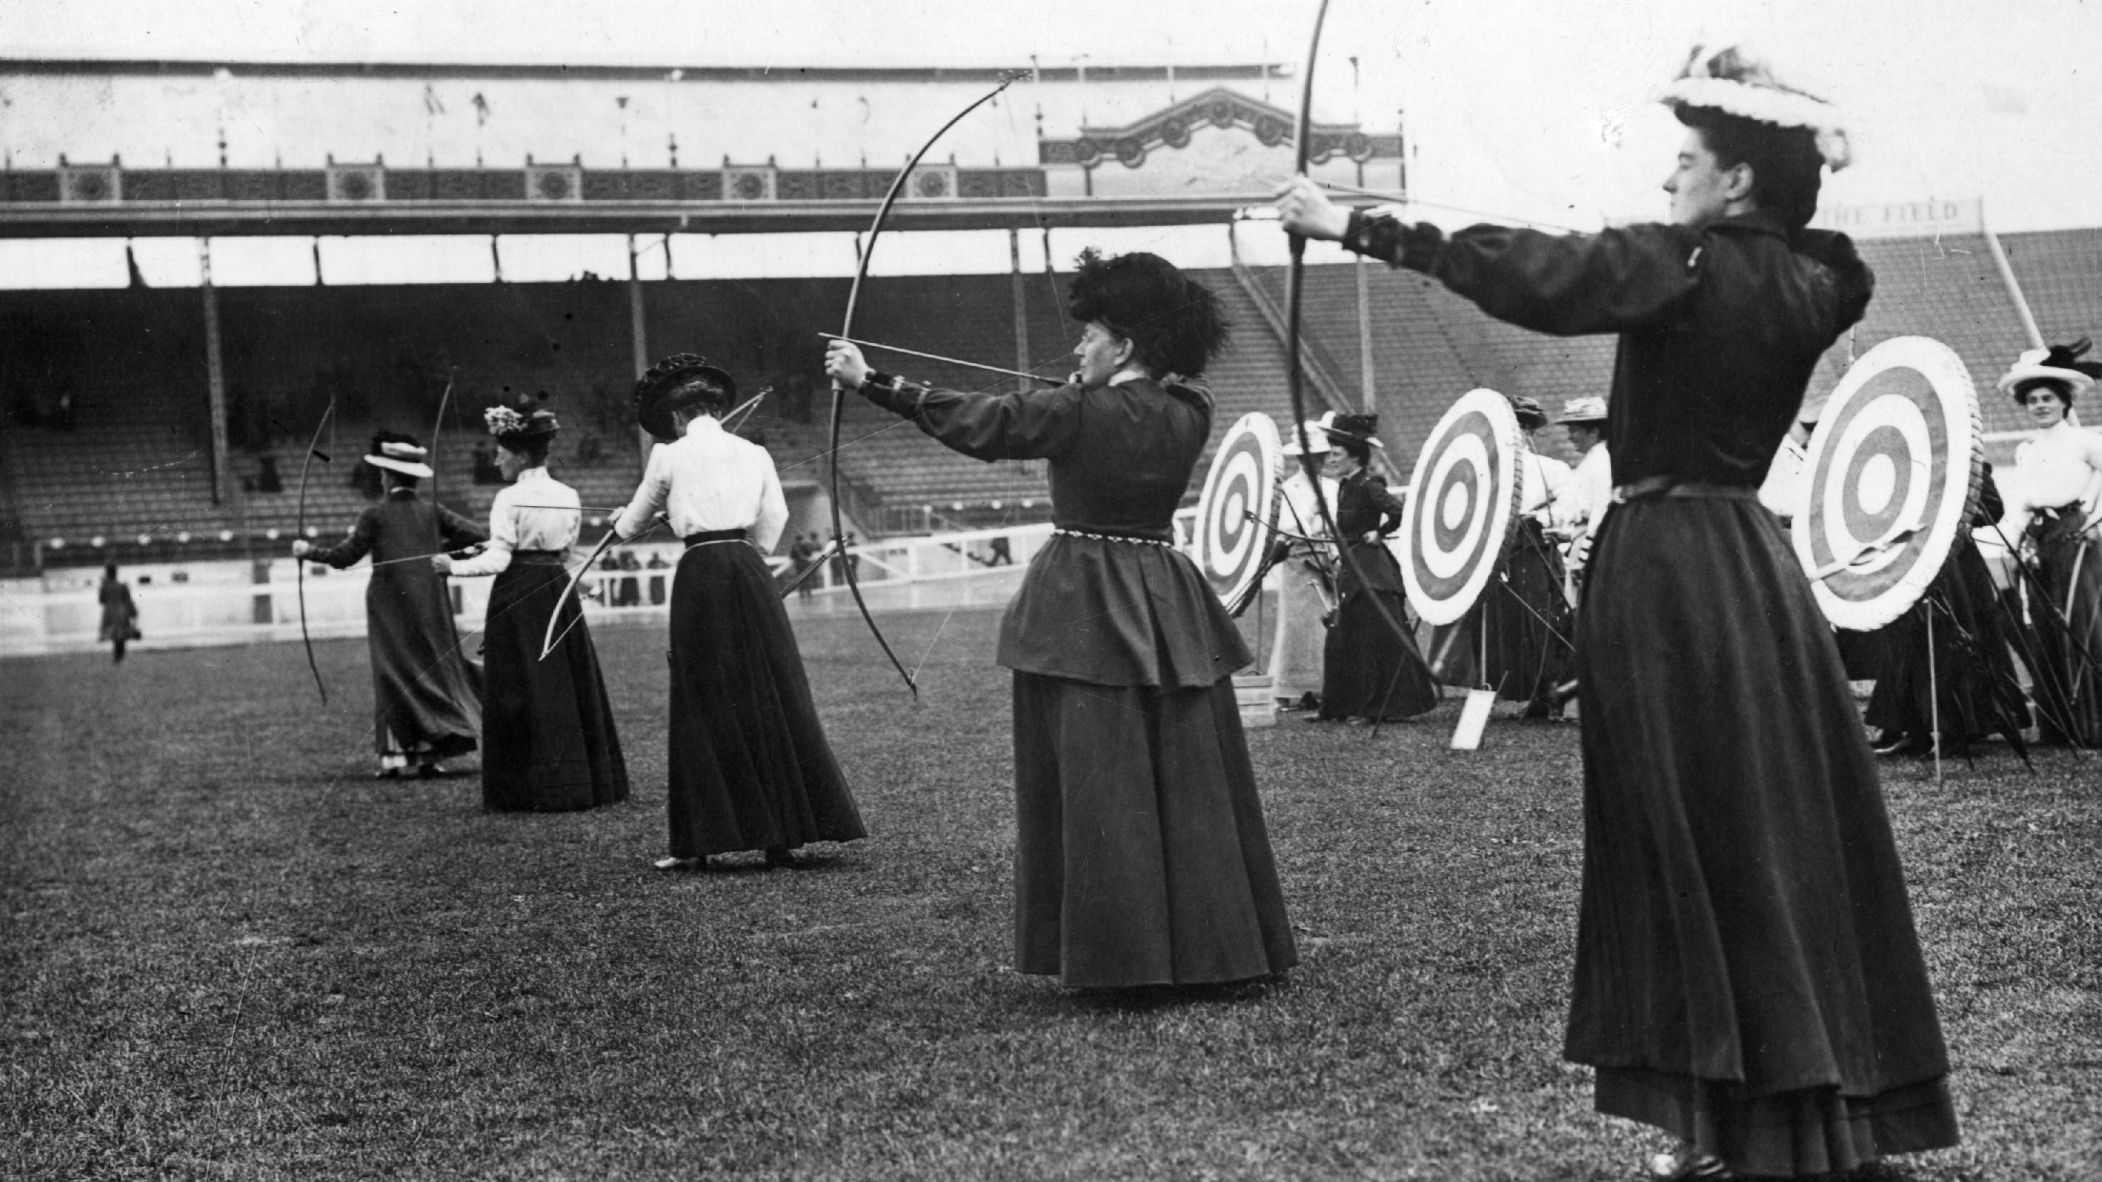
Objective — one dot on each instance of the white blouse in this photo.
(537, 512)
(708, 481)
(2062, 465)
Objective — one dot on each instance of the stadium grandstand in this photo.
(155, 423)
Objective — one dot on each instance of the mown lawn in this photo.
(226, 952)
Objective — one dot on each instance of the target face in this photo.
(1891, 480)
(1242, 482)
(1462, 499)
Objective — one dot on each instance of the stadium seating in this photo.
(135, 461)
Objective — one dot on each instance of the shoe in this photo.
(670, 864)
(1309, 701)
(1907, 744)
(387, 773)
(786, 860)
(431, 771)
(1686, 1162)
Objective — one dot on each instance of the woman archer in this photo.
(548, 738)
(1747, 973)
(1141, 856)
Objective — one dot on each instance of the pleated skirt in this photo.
(1141, 856)
(1370, 672)
(1967, 679)
(426, 694)
(1526, 616)
(2068, 631)
(1747, 972)
(548, 738)
(750, 768)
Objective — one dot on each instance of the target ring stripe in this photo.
(1462, 499)
(1235, 509)
(1898, 449)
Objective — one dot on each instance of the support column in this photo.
(215, 374)
(1021, 300)
(639, 331)
(1370, 390)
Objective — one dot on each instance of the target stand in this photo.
(1462, 501)
(1892, 477)
(1233, 536)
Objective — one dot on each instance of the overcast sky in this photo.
(1535, 109)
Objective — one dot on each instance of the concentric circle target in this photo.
(1462, 499)
(1233, 514)
(1891, 481)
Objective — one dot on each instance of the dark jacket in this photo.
(1720, 327)
(1095, 608)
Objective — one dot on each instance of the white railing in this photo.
(239, 602)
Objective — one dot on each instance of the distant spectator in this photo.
(266, 477)
(64, 419)
(485, 468)
(802, 556)
(119, 615)
(998, 553)
(630, 587)
(657, 588)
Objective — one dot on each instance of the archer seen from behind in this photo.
(750, 765)
(548, 739)
(1747, 973)
(1141, 856)
(426, 695)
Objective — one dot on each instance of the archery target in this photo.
(1462, 499)
(1233, 513)
(1890, 481)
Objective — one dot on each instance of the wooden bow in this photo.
(846, 329)
(299, 531)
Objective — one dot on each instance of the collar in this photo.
(1127, 374)
(532, 475)
(703, 427)
(1757, 221)
(395, 492)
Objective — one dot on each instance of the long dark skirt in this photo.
(548, 740)
(1141, 857)
(1747, 974)
(426, 694)
(750, 767)
(2068, 630)
(1515, 639)
(1367, 670)
(1971, 662)
(1525, 613)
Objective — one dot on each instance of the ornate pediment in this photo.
(1220, 108)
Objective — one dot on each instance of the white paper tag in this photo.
(1474, 717)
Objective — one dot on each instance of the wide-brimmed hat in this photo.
(397, 452)
(654, 390)
(2058, 363)
(1352, 428)
(1316, 439)
(1583, 410)
(1737, 81)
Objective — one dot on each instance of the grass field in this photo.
(229, 953)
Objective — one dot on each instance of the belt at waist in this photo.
(1672, 486)
(1163, 538)
(713, 535)
(557, 557)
